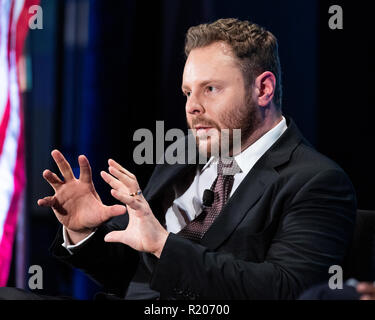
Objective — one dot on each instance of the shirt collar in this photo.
(247, 158)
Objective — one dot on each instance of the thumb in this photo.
(47, 201)
(115, 236)
(115, 210)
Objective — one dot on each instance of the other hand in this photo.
(76, 203)
(144, 232)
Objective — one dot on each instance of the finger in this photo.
(46, 201)
(52, 179)
(117, 236)
(116, 165)
(85, 169)
(63, 165)
(132, 202)
(113, 182)
(125, 179)
(366, 297)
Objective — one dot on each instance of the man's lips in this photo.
(205, 131)
(202, 127)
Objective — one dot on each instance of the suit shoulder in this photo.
(307, 158)
(306, 165)
(310, 173)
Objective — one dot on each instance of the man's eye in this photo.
(187, 93)
(211, 89)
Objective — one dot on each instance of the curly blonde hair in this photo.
(256, 48)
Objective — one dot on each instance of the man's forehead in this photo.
(207, 62)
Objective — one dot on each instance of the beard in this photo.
(245, 117)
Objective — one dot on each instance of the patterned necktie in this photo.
(222, 186)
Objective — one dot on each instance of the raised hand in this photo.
(144, 232)
(76, 203)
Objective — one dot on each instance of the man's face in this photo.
(217, 97)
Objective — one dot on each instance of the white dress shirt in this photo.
(190, 202)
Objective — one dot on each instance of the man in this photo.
(273, 227)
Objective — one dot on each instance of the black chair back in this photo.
(360, 260)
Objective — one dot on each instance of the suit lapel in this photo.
(162, 178)
(246, 195)
(261, 176)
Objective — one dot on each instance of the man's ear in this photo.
(265, 85)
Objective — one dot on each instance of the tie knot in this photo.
(227, 167)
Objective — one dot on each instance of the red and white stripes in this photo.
(13, 29)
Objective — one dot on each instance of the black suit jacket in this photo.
(290, 219)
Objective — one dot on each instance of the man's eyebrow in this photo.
(202, 84)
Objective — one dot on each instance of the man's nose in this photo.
(194, 106)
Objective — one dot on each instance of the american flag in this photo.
(14, 25)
